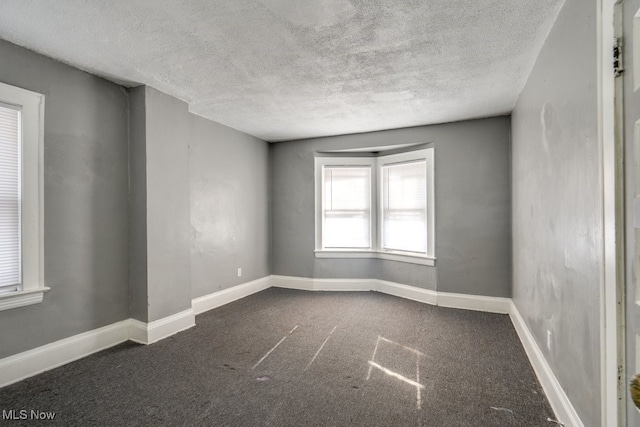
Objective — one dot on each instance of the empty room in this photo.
(331, 212)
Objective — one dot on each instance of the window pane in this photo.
(347, 207)
(404, 210)
(9, 199)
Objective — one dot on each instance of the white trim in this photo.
(427, 296)
(322, 253)
(475, 302)
(137, 331)
(613, 411)
(560, 403)
(299, 283)
(413, 293)
(32, 362)
(319, 165)
(148, 333)
(411, 259)
(425, 154)
(310, 284)
(21, 298)
(32, 209)
(635, 53)
(225, 296)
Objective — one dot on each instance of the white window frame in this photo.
(32, 288)
(425, 155)
(376, 164)
(320, 164)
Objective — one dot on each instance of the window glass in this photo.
(10, 199)
(347, 207)
(404, 207)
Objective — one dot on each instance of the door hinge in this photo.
(618, 69)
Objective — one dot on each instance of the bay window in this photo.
(376, 207)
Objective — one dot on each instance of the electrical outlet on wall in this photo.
(548, 339)
(239, 272)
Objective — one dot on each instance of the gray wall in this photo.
(168, 133)
(138, 301)
(199, 205)
(557, 216)
(106, 199)
(230, 222)
(473, 239)
(85, 202)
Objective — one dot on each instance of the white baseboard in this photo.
(312, 284)
(413, 293)
(32, 362)
(137, 331)
(225, 296)
(428, 296)
(289, 282)
(558, 399)
(148, 333)
(26, 364)
(475, 302)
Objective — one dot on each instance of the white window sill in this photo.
(411, 259)
(21, 298)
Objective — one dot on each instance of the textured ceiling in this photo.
(290, 69)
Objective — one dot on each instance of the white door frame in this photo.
(612, 347)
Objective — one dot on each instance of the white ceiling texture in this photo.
(291, 69)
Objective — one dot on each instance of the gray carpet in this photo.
(332, 359)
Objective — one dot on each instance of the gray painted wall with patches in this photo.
(168, 206)
(85, 202)
(230, 218)
(557, 215)
(473, 240)
(199, 207)
(118, 234)
(138, 301)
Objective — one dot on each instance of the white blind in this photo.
(404, 209)
(10, 199)
(347, 207)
